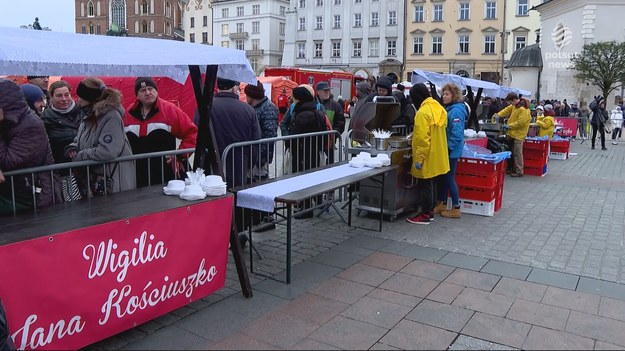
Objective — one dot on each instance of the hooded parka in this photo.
(429, 140)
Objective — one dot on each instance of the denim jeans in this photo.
(449, 185)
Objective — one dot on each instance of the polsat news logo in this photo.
(561, 35)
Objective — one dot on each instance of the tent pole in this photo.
(473, 103)
(207, 156)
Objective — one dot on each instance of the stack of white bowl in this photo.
(214, 185)
(174, 187)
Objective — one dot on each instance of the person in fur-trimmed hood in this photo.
(101, 135)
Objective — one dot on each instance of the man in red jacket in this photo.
(153, 124)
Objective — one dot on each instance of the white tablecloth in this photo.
(262, 197)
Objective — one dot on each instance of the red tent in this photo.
(276, 84)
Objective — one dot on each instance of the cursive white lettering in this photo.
(40, 337)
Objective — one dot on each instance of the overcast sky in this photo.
(56, 14)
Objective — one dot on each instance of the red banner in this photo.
(69, 290)
(566, 126)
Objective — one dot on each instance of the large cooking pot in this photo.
(399, 142)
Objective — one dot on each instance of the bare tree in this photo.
(602, 64)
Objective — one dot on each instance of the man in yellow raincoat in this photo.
(517, 127)
(430, 156)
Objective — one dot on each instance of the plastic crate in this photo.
(480, 208)
(534, 163)
(535, 171)
(498, 201)
(478, 166)
(477, 179)
(560, 146)
(535, 144)
(558, 155)
(475, 193)
(533, 154)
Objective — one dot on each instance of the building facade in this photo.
(460, 37)
(256, 26)
(140, 18)
(197, 21)
(567, 27)
(359, 36)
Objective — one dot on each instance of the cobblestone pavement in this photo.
(547, 266)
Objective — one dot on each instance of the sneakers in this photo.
(453, 213)
(614, 143)
(420, 219)
(604, 148)
(440, 207)
(516, 175)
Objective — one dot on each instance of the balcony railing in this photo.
(255, 52)
(239, 35)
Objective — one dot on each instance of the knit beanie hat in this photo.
(143, 82)
(255, 91)
(226, 84)
(418, 94)
(302, 94)
(32, 93)
(384, 82)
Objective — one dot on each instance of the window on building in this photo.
(489, 44)
(491, 10)
(240, 28)
(392, 18)
(192, 25)
(224, 29)
(118, 13)
(336, 49)
(437, 44)
(144, 27)
(225, 13)
(337, 2)
(357, 48)
(282, 11)
(391, 47)
(254, 64)
(281, 45)
(302, 23)
(225, 44)
(255, 9)
(279, 61)
(318, 22)
(192, 37)
(417, 45)
(357, 20)
(337, 21)
(90, 9)
(240, 44)
(83, 29)
(374, 47)
(463, 44)
(375, 19)
(144, 7)
(255, 44)
(438, 13)
(318, 49)
(302, 4)
(319, 3)
(282, 28)
(168, 10)
(204, 37)
(301, 50)
(520, 42)
(256, 27)
(418, 13)
(357, 1)
(98, 29)
(465, 11)
(205, 21)
(240, 11)
(522, 7)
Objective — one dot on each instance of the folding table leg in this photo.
(289, 212)
(382, 199)
(349, 210)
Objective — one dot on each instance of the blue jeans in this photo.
(449, 184)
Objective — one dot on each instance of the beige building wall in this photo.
(452, 23)
(522, 24)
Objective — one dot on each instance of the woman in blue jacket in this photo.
(457, 114)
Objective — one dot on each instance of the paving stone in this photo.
(506, 269)
(279, 329)
(596, 327)
(364, 274)
(464, 342)
(547, 339)
(463, 261)
(477, 280)
(497, 329)
(336, 258)
(520, 289)
(561, 280)
(452, 318)
(538, 314)
(241, 342)
(572, 300)
(429, 254)
(345, 333)
(313, 308)
(366, 242)
(429, 270)
(298, 287)
(611, 308)
(313, 271)
(601, 287)
(483, 301)
(377, 312)
(394, 297)
(445, 292)
(601, 345)
(380, 346)
(386, 261)
(409, 285)
(409, 335)
(170, 338)
(342, 290)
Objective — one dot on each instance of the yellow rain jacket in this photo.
(429, 140)
(547, 125)
(519, 121)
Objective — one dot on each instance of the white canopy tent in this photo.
(36, 52)
(489, 88)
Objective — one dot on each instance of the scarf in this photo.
(67, 110)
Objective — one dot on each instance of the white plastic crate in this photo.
(558, 155)
(480, 208)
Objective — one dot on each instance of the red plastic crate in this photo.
(498, 202)
(535, 154)
(478, 166)
(560, 147)
(535, 145)
(475, 193)
(535, 171)
(534, 163)
(476, 179)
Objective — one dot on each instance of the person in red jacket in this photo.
(283, 104)
(153, 124)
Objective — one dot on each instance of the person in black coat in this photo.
(61, 119)
(599, 116)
